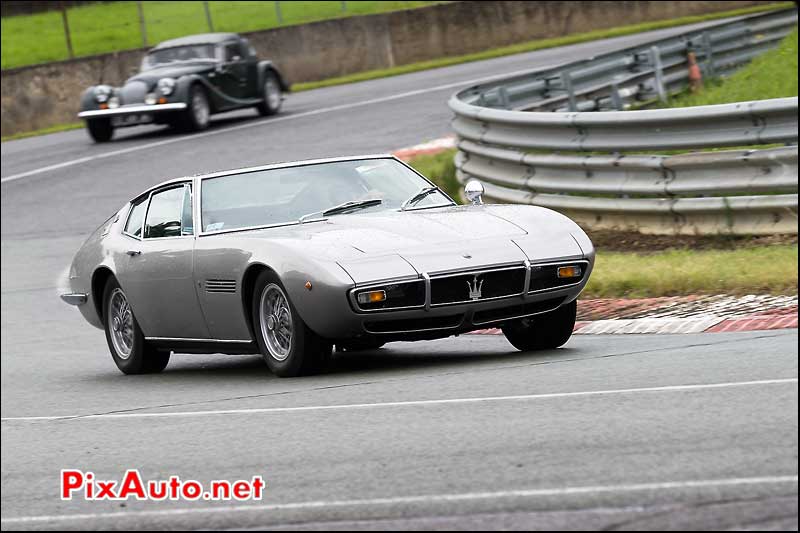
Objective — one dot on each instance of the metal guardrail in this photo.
(503, 125)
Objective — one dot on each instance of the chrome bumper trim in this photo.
(75, 298)
(127, 110)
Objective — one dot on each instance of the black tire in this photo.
(360, 345)
(142, 357)
(270, 106)
(543, 332)
(196, 118)
(100, 129)
(306, 352)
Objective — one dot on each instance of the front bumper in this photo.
(143, 109)
(75, 298)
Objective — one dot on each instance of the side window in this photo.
(248, 47)
(134, 224)
(187, 228)
(232, 52)
(164, 214)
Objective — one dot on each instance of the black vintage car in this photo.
(183, 82)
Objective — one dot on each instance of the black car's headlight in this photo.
(102, 94)
(166, 86)
(391, 296)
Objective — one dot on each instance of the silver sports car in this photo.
(291, 259)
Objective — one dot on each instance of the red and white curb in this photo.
(427, 148)
(679, 315)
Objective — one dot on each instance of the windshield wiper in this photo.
(352, 205)
(423, 193)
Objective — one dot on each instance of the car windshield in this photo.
(287, 195)
(195, 52)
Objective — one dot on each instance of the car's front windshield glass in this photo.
(178, 54)
(285, 195)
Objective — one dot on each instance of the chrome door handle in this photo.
(134, 252)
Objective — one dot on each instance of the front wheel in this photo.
(100, 129)
(131, 353)
(543, 332)
(287, 345)
(198, 115)
(271, 96)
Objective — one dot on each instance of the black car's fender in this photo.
(263, 67)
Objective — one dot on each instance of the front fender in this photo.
(264, 67)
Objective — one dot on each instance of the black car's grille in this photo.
(545, 277)
(133, 92)
(477, 286)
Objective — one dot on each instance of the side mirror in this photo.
(473, 190)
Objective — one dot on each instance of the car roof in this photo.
(202, 38)
(264, 167)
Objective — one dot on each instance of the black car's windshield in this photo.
(285, 195)
(178, 54)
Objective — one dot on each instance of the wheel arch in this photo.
(100, 278)
(249, 278)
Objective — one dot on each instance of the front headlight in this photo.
(166, 86)
(391, 296)
(101, 93)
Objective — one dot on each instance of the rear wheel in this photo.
(100, 129)
(271, 96)
(545, 331)
(288, 346)
(131, 353)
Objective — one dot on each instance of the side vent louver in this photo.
(221, 286)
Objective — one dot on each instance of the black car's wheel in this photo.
(271, 96)
(100, 129)
(545, 331)
(288, 346)
(131, 353)
(198, 115)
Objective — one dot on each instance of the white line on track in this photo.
(267, 122)
(431, 498)
(412, 403)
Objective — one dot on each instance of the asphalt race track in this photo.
(622, 431)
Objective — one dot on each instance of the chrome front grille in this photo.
(221, 286)
(133, 93)
(477, 286)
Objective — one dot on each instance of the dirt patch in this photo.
(620, 241)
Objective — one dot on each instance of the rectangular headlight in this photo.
(371, 297)
(569, 272)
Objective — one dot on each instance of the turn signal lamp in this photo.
(569, 272)
(371, 297)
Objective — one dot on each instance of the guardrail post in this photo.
(709, 59)
(616, 99)
(502, 93)
(566, 79)
(208, 16)
(658, 71)
(66, 30)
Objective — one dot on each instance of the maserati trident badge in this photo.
(475, 288)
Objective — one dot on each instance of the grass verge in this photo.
(531, 46)
(770, 75)
(761, 270)
(112, 26)
(52, 129)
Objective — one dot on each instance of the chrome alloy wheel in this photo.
(276, 322)
(200, 108)
(121, 323)
(272, 92)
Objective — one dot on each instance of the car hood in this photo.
(386, 245)
(151, 77)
